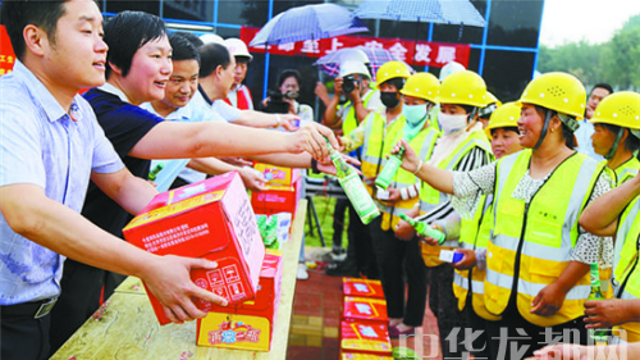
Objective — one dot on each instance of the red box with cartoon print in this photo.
(278, 175)
(211, 219)
(248, 325)
(362, 287)
(364, 337)
(365, 309)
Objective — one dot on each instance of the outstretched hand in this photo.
(168, 278)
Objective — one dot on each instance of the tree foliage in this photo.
(616, 62)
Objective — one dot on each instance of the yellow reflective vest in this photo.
(626, 267)
(431, 198)
(474, 235)
(350, 122)
(378, 142)
(423, 144)
(531, 244)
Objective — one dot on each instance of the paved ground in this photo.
(316, 317)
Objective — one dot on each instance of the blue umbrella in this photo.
(330, 63)
(458, 12)
(308, 22)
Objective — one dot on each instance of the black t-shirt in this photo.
(124, 124)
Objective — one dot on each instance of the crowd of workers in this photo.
(503, 182)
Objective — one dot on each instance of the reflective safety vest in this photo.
(626, 267)
(378, 142)
(622, 173)
(423, 144)
(627, 170)
(474, 235)
(532, 243)
(431, 198)
(350, 122)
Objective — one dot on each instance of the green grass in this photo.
(325, 208)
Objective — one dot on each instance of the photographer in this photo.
(283, 100)
(353, 99)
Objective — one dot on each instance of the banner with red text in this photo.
(423, 53)
(7, 57)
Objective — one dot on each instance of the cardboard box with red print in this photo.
(362, 287)
(365, 309)
(211, 219)
(364, 337)
(249, 325)
(278, 198)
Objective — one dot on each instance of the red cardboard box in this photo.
(357, 356)
(248, 325)
(367, 309)
(277, 199)
(362, 287)
(368, 338)
(210, 219)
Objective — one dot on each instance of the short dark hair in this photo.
(211, 56)
(602, 86)
(287, 74)
(397, 82)
(17, 14)
(506, 128)
(632, 143)
(193, 39)
(126, 33)
(182, 48)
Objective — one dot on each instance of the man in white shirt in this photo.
(584, 132)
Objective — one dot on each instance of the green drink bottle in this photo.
(389, 170)
(354, 188)
(599, 336)
(154, 172)
(425, 229)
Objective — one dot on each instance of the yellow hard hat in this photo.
(463, 88)
(391, 70)
(621, 109)
(506, 115)
(557, 91)
(422, 85)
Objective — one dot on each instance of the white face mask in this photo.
(452, 123)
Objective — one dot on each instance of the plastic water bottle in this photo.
(154, 172)
(425, 229)
(599, 336)
(389, 170)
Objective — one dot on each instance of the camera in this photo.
(276, 103)
(349, 83)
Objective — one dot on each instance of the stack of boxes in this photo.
(214, 219)
(284, 190)
(363, 327)
(249, 325)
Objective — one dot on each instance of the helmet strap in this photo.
(548, 114)
(616, 143)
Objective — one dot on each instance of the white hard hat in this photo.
(450, 68)
(212, 38)
(354, 67)
(237, 47)
(353, 54)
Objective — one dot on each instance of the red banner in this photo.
(7, 57)
(424, 53)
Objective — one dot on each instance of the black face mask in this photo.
(389, 99)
